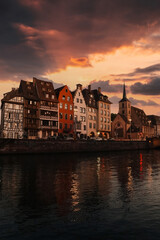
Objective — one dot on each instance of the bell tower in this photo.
(125, 105)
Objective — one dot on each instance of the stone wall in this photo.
(8, 146)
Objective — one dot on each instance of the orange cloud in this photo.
(80, 62)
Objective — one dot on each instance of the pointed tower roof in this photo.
(124, 95)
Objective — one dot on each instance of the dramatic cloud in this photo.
(150, 88)
(46, 36)
(106, 86)
(142, 102)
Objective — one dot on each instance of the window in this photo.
(77, 100)
(65, 125)
(60, 125)
(108, 114)
(66, 116)
(105, 106)
(108, 107)
(101, 105)
(105, 120)
(28, 111)
(108, 127)
(68, 99)
(101, 126)
(52, 96)
(71, 126)
(81, 101)
(81, 110)
(89, 109)
(61, 105)
(66, 106)
(60, 115)
(101, 119)
(84, 127)
(71, 107)
(101, 112)
(66, 90)
(122, 105)
(63, 97)
(94, 118)
(94, 125)
(90, 117)
(84, 110)
(47, 95)
(70, 117)
(108, 120)
(105, 127)
(90, 125)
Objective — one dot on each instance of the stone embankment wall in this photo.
(10, 146)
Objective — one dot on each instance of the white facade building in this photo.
(12, 115)
(79, 111)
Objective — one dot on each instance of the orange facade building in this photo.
(66, 111)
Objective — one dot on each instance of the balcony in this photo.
(42, 117)
(49, 108)
(49, 127)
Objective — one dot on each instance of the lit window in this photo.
(71, 107)
(47, 95)
(66, 106)
(52, 96)
(61, 105)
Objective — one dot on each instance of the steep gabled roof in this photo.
(100, 97)
(9, 95)
(28, 90)
(89, 98)
(138, 116)
(58, 90)
(45, 90)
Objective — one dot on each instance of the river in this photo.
(80, 196)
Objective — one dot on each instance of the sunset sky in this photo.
(99, 42)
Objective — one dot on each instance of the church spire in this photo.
(124, 92)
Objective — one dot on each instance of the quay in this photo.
(15, 146)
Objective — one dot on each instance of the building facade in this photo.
(30, 110)
(91, 112)
(103, 114)
(130, 122)
(79, 112)
(12, 115)
(47, 109)
(66, 111)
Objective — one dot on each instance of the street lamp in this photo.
(130, 120)
(149, 127)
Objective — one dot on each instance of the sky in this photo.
(101, 43)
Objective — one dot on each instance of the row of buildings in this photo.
(38, 111)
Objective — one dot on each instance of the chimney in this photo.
(99, 89)
(79, 86)
(89, 88)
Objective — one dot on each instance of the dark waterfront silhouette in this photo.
(80, 196)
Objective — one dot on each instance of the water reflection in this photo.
(100, 190)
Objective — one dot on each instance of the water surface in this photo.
(80, 196)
